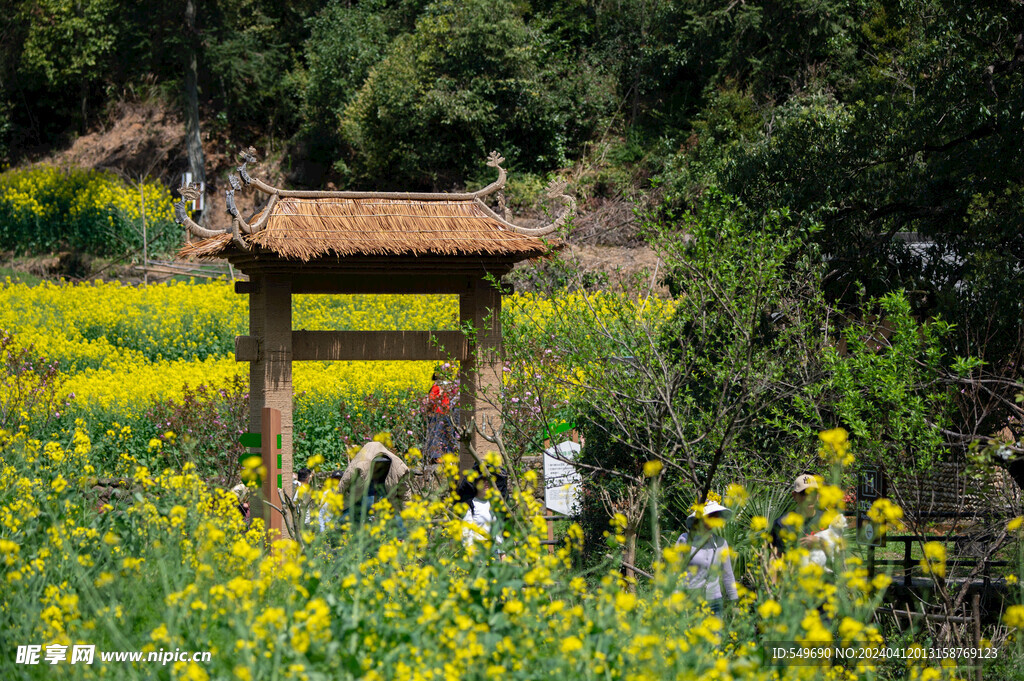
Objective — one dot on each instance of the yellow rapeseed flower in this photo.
(1013, 617)
(570, 644)
(934, 560)
(769, 609)
(885, 514)
(835, 447)
(652, 468)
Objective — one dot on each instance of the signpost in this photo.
(269, 444)
(871, 485)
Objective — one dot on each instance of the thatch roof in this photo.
(302, 225)
(307, 228)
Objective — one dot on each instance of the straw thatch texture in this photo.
(303, 229)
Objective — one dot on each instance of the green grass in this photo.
(19, 277)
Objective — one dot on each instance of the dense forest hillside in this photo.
(891, 131)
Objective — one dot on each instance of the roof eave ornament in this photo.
(555, 190)
(191, 192)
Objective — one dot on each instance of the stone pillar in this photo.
(270, 375)
(480, 375)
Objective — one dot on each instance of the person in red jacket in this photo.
(442, 436)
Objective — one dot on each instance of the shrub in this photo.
(471, 77)
(30, 387)
(203, 428)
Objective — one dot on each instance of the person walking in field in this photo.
(242, 494)
(709, 575)
(330, 505)
(302, 495)
(375, 473)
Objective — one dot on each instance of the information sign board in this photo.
(562, 479)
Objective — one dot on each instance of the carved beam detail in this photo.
(192, 192)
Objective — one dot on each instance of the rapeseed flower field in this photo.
(170, 565)
(45, 207)
(121, 349)
(162, 560)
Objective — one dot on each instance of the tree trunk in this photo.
(193, 141)
(84, 95)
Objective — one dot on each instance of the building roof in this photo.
(302, 229)
(304, 225)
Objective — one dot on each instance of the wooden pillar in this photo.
(480, 374)
(270, 374)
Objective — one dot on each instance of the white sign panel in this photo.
(561, 479)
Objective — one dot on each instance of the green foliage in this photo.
(741, 376)
(769, 501)
(248, 62)
(345, 42)
(6, 127)
(16, 276)
(920, 141)
(744, 334)
(68, 41)
(328, 428)
(472, 77)
(773, 47)
(202, 427)
(31, 394)
(898, 139)
(882, 384)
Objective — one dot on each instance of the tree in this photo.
(472, 77)
(345, 42)
(736, 381)
(909, 162)
(692, 385)
(68, 43)
(193, 140)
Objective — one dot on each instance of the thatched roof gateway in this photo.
(303, 225)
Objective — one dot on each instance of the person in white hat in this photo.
(710, 567)
(805, 499)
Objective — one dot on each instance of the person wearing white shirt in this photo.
(331, 487)
(480, 522)
(710, 568)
